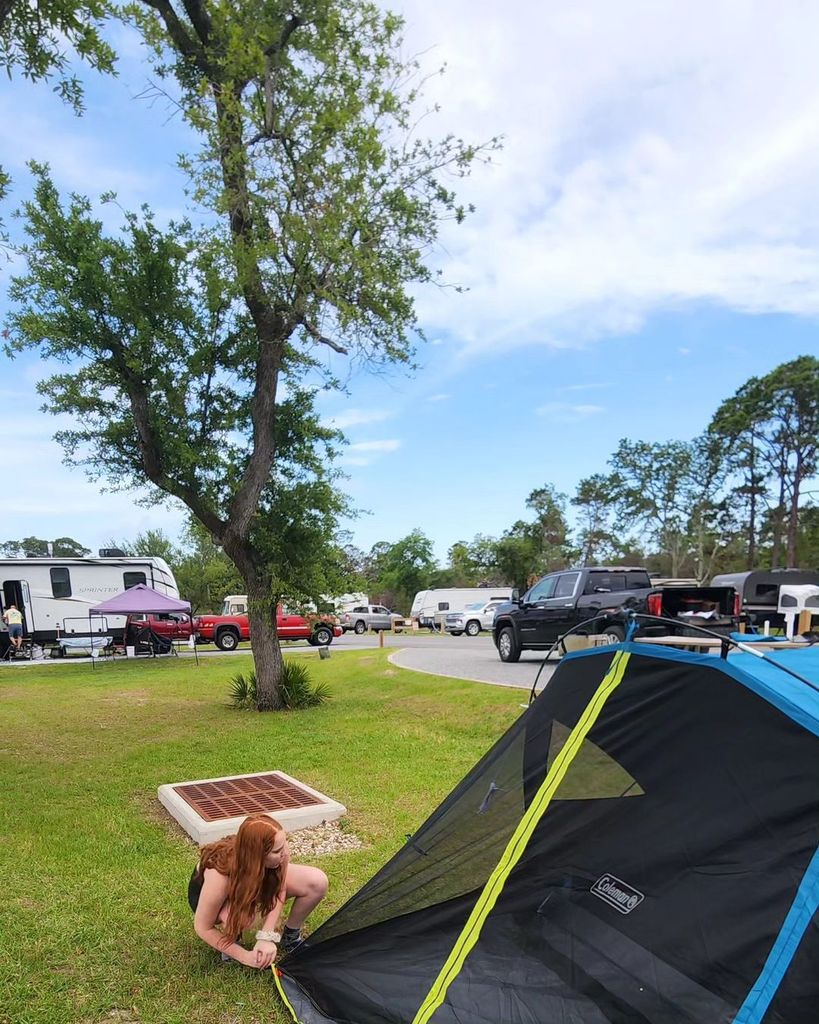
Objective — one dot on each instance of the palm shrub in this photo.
(296, 688)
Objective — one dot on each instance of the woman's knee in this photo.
(319, 883)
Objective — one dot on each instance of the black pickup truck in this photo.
(562, 600)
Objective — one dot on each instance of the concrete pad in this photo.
(224, 807)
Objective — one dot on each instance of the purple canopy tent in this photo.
(141, 600)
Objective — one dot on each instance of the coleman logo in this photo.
(621, 896)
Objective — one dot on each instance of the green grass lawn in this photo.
(94, 922)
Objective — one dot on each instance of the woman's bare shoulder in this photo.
(213, 879)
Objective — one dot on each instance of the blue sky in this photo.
(647, 239)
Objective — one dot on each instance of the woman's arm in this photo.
(264, 950)
(211, 900)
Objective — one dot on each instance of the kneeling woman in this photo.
(247, 877)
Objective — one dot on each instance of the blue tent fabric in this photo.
(756, 638)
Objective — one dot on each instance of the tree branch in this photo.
(314, 332)
(187, 46)
(200, 19)
(289, 28)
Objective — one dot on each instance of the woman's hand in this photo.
(264, 953)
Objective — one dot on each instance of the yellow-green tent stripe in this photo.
(285, 1000)
(519, 840)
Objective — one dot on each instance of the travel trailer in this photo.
(759, 591)
(430, 606)
(55, 594)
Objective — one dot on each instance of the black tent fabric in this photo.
(641, 847)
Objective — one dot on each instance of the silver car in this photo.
(475, 617)
(367, 616)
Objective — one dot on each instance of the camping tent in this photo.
(640, 846)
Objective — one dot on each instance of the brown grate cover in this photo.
(231, 798)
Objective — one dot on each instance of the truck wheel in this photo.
(360, 627)
(508, 646)
(473, 627)
(614, 634)
(322, 637)
(227, 640)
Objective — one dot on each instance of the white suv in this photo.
(367, 616)
(475, 617)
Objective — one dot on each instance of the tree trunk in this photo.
(779, 515)
(793, 517)
(752, 508)
(264, 641)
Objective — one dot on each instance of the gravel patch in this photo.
(328, 837)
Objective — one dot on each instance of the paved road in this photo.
(458, 657)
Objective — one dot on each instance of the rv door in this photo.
(17, 592)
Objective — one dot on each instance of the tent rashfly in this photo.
(641, 847)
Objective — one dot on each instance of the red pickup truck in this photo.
(172, 625)
(231, 627)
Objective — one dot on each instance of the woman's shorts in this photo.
(15, 630)
(195, 889)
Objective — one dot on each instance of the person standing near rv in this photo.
(14, 620)
(249, 876)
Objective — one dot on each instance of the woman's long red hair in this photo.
(253, 886)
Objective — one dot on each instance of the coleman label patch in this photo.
(614, 891)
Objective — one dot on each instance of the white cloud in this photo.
(358, 417)
(564, 412)
(438, 398)
(656, 155)
(364, 453)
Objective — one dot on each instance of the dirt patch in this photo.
(14, 692)
(390, 672)
(138, 697)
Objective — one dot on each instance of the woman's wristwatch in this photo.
(268, 936)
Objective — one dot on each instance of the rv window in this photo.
(131, 579)
(443, 606)
(60, 583)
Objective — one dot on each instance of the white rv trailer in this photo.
(428, 604)
(55, 594)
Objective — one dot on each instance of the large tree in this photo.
(774, 423)
(652, 485)
(194, 351)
